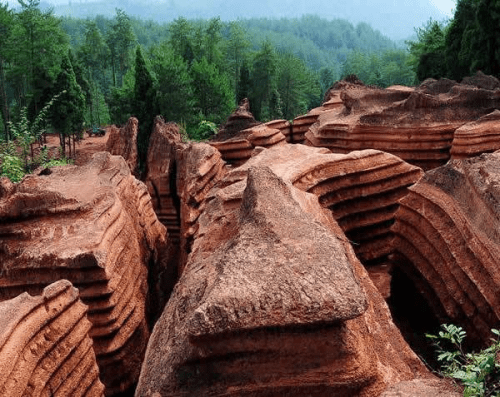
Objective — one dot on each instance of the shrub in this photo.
(479, 372)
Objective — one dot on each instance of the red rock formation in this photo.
(476, 137)
(45, 348)
(261, 309)
(160, 176)
(239, 120)
(123, 142)
(200, 167)
(361, 189)
(284, 126)
(416, 125)
(95, 226)
(238, 150)
(423, 388)
(447, 241)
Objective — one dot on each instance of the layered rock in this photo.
(273, 300)
(476, 137)
(447, 241)
(45, 348)
(361, 189)
(239, 120)
(123, 142)
(417, 125)
(238, 150)
(95, 226)
(179, 176)
(160, 176)
(284, 126)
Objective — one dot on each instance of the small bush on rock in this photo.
(479, 372)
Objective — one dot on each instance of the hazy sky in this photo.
(445, 6)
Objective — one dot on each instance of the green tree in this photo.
(294, 85)
(244, 83)
(94, 54)
(6, 24)
(214, 97)
(37, 42)
(121, 40)
(429, 48)
(68, 112)
(143, 105)
(174, 86)
(236, 49)
(263, 76)
(458, 52)
(180, 38)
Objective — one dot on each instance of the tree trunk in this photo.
(4, 102)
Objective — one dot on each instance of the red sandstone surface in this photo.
(45, 348)
(268, 261)
(418, 125)
(448, 242)
(95, 226)
(261, 308)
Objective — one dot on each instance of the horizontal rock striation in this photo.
(284, 126)
(361, 189)
(447, 241)
(95, 226)
(123, 142)
(476, 137)
(272, 300)
(238, 150)
(45, 348)
(241, 119)
(417, 125)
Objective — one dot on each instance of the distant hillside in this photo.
(397, 20)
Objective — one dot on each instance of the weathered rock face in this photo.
(95, 226)
(179, 176)
(361, 189)
(241, 119)
(476, 137)
(422, 388)
(123, 142)
(448, 239)
(415, 124)
(238, 150)
(272, 300)
(45, 348)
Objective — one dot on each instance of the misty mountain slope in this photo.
(394, 18)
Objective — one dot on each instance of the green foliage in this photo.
(11, 165)
(68, 113)
(174, 88)
(385, 69)
(479, 372)
(214, 98)
(263, 77)
(203, 131)
(16, 157)
(121, 40)
(143, 106)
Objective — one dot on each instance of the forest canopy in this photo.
(188, 71)
(468, 43)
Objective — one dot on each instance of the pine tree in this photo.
(143, 106)
(263, 81)
(214, 97)
(174, 86)
(68, 112)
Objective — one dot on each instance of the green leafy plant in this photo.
(478, 372)
(16, 157)
(11, 165)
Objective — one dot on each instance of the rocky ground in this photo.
(279, 259)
